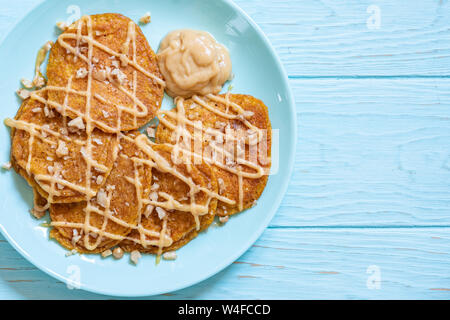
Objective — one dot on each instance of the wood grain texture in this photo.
(371, 183)
(371, 152)
(331, 37)
(299, 263)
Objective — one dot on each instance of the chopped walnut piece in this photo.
(106, 253)
(153, 196)
(102, 198)
(71, 252)
(170, 255)
(99, 179)
(118, 76)
(23, 94)
(155, 186)
(151, 132)
(38, 214)
(99, 75)
(97, 141)
(146, 18)
(123, 60)
(161, 213)
(115, 63)
(7, 165)
(61, 25)
(135, 256)
(220, 124)
(75, 237)
(83, 152)
(48, 113)
(248, 114)
(148, 211)
(62, 149)
(221, 185)
(38, 81)
(77, 123)
(224, 220)
(27, 83)
(105, 114)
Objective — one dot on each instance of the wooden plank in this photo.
(332, 37)
(371, 152)
(294, 263)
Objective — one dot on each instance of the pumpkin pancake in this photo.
(103, 69)
(233, 134)
(106, 219)
(169, 220)
(47, 149)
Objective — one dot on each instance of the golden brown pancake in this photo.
(48, 151)
(216, 118)
(115, 210)
(121, 70)
(179, 226)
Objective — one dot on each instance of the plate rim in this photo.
(255, 235)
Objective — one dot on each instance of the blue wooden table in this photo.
(367, 213)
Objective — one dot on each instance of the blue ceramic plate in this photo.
(257, 72)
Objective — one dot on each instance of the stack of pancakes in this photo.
(108, 185)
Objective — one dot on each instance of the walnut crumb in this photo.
(146, 18)
(27, 83)
(161, 213)
(224, 220)
(102, 198)
(62, 149)
(99, 179)
(221, 185)
(71, 252)
(81, 73)
(151, 132)
(77, 123)
(38, 214)
(38, 81)
(135, 256)
(7, 165)
(23, 94)
(170, 255)
(148, 211)
(118, 253)
(61, 25)
(97, 141)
